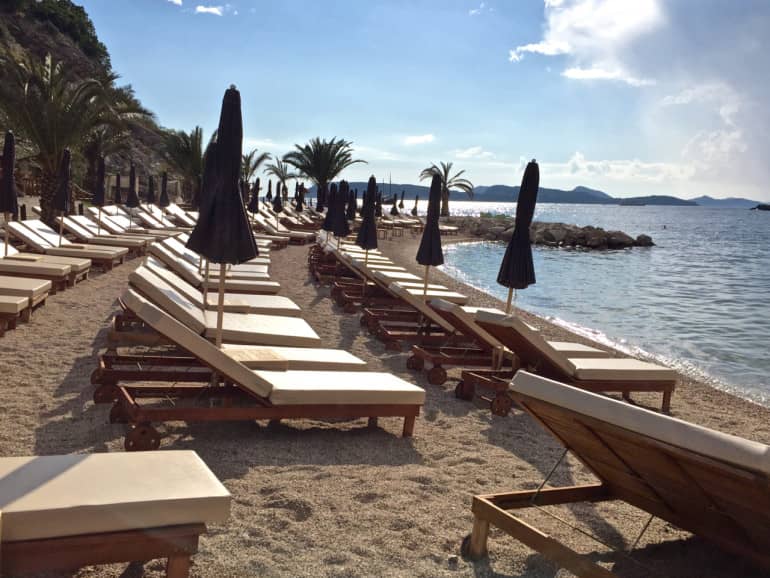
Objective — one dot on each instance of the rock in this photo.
(453, 561)
(619, 240)
(644, 241)
(507, 234)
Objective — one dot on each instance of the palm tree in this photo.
(40, 102)
(251, 163)
(447, 183)
(280, 170)
(322, 161)
(184, 152)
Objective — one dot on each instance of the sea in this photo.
(698, 301)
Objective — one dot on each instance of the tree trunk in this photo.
(445, 203)
(48, 184)
(91, 169)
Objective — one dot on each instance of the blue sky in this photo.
(632, 97)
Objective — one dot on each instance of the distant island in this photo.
(578, 195)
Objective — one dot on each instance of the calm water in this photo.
(697, 301)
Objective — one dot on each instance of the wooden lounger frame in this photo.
(175, 543)
(532, 359)
(706, 496)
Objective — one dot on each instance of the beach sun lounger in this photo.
(33, 267)
(181, 218)
(12, 308)
(74, 225)
(43, 239)
(608, 374)
(257, 268)
(192, 275)
(248, 394)
(715, 485)
(257, 329)
(35, 291)
(61, 513)
(120, 224)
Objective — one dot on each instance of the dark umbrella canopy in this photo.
(278, 200)
(222, 233)
(164, 202)
(132, 200)
(378, 205)
(394, 208)
(151, 190)
(9, 202)
(61, 200)
(352, 209)
(118, 199)
(269, 195)
(195, 201)
(320, 198)
(253, 206)
(517, 271)
(401, 203)
(341, 228)
(301, 198)
(414, 209)
(367, 233)
(97, 200)
(331, 198)
(430, 252)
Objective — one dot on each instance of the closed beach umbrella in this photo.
(244, 186)
(97, 199)
(430, 253)
(320, 198)
(394, 208)
(414, 209)
(151, 190)
(163, 201)
(9, 203)
(401, 203)
(132, 200)
(118, 199)
(278, 200)
(378, 205)
(195, 200)
(223, 234)
(269, 195)
(341, 228)
(328, 224)
(352, 209)
(517, 271)
(367, 233)
(61, 199)
(301, 198)
(253, 206)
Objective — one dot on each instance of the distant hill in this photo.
(578, 195)
(729, 203)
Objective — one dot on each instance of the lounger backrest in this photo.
(181, 267)
(74, 228)
(45, 232)
(148, 220)
(168, 298)
(29, 237)
(177, 282)
(11, 250)
(87, 224)
(207, 352)
(707, 482)
(175, 211)
(464, 321)
(420, 306)
(106, 222)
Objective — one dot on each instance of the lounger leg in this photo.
(178, 566)
(372, 423)
(409, 426)
(477, 548)
(627, 396)
(666, 407)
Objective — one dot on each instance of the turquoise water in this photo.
(697, 301)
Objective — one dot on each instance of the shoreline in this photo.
(694, 399)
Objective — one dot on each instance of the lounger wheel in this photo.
(465, 391)
(118, 414)
(141, 438)
(415, 363)
(393, 346)
(501, 405)
(436, 375)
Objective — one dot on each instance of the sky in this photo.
(632, 97)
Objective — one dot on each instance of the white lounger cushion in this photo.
(570, 349)
(236, 303)
(29, 288)
(301, 358)
(52, 238)
(619, 369)
(340, 387)
(57, 496)
(12, 304)
(748, 454)
(236, 327)
(42, 268)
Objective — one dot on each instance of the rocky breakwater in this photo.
(500, 228)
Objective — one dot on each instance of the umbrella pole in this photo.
(206, 287)
(61, 228)
(511, 297)
(220, 304)
(99, 223)
(425, 286)
(6, 233)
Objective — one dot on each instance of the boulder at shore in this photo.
(500, 228)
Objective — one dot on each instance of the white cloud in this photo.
(216, 10)
(579, 169)
(176, 2)
(593, 34)
(476, 11)
(473, 153)
(419, 139)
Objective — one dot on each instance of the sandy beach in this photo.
(312, 498)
